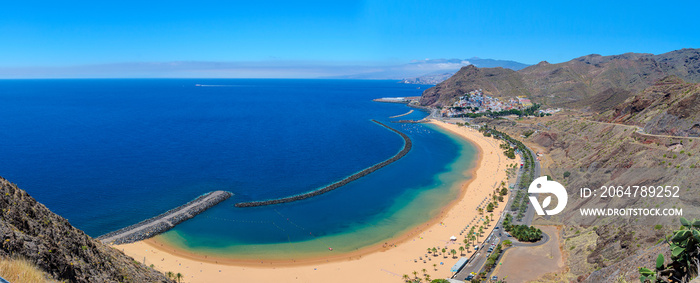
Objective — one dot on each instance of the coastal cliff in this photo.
(30, 230)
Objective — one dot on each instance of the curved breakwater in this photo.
(166, 221)
(406, 148)
(401, 115)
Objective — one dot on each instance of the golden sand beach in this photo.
(382, 263)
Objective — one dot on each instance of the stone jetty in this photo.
(166, 221)
(406, 148)
(401, 115)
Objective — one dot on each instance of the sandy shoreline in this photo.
(380, 263)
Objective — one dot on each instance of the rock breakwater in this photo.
(406, 148)
(166, 221)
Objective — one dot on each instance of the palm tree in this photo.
(481, 211)
(443, 252)
(453, 252)
(424, 271)
(466, 241)
(415, 274)
(427, 278)
(405, 277)
(435, 266)
(170, 274)
(434, 251)
(461, 250)
(178, 276)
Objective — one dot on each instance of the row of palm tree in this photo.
(177, 276)
(415, 278)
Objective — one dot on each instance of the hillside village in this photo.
(475, 102)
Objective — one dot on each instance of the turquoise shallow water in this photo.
(109, 153)
(416, 204)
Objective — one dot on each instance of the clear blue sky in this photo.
(70, 33)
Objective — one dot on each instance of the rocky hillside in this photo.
(577, 83)
(493, 81)
(670, 107)
(644, 135)
(30, 230)
(579, 152)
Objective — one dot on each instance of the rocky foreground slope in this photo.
(30, 230)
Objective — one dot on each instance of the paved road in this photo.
(638, 129)
(530, 213)
(476, 262)
(544, 240)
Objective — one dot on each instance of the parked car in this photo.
(469, 277)
(494, 278)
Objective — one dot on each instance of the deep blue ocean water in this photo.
(109, 153)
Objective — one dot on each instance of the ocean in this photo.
(106, 154)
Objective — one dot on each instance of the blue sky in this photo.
(51, 35)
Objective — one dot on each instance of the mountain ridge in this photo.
(438, 77)
(572, 83)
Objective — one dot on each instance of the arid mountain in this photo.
(493, 81)
(438, 77)
(670, 107)
(578, 83)
(30, 230)
(642, 132)
(579, 152)
(649, 138)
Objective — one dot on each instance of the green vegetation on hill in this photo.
(685, 256)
